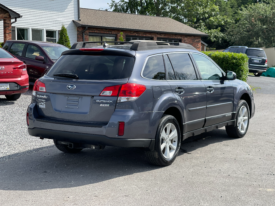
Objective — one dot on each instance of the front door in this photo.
(184, 82)
(220, 94)
(36, 68)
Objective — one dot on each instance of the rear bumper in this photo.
(257, 69)
(17, 85)
(83, 138)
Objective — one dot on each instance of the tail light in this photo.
(21, 66)
(265, 61)
(125, 92)
(110, 91)
(27, 118)
(130, 92)
(38, 87)
(121, 126)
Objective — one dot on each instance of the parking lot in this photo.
(211, 169)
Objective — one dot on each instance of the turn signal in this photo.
(110, 91)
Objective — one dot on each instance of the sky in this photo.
(95, 4)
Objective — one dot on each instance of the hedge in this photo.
(235, 62)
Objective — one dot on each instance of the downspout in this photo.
(83, 33)
(78, 2)
(15, 20)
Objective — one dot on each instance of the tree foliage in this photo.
(64, 38)
(256, 26)
(213, 17)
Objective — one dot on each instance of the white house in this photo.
(42, 19)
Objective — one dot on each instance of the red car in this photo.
(14, 79)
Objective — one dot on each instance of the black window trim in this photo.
(191, 59)
(144, 65)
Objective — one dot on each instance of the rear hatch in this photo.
(82, 88)
(9, 66)
(257, 57)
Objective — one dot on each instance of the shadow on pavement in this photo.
(47, 168)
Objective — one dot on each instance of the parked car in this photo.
(143, 94)
(14, 79)
(257, 58)
(38, 56)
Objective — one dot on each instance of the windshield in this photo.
(93, 67)
(4, 54)
(255, 53)
(54, 52)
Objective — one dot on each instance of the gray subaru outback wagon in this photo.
(146, 94)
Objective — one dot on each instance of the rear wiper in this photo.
(73, 76)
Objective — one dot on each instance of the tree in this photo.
(64, 38)
(256, 26)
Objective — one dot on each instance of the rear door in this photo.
(80, 100)
(220, 95)
(17, 49)
(185, 84)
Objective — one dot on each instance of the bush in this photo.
(1, 44)
(235, 62)
(64, 38)
(121, 37)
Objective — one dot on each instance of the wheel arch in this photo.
(247, 98)
(175, 112)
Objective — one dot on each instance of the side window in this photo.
(183, 67)
(208, 70)
(34, 51)
(169, 68)
(6, 45)
(17, 49)
(154, 68)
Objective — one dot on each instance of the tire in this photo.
(257, 74)
(64, 148)
(13, 97)
(159, 156)
(242, 119)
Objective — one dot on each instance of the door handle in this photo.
(210, 90)
(179, 90)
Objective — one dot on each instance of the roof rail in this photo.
(135, 45)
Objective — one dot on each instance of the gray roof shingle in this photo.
(124, 21)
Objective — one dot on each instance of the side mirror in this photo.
(39, 58)
(231, 75)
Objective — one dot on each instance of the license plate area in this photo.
(4, 87)
(257, 60)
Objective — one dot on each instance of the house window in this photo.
(102, 37)
(22, 34)
(130, 38)
(37, 35)
(169, 40)
(51, 36)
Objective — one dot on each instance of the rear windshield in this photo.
(94, 67)
(54, 52)
(255, 52)
(4, 54)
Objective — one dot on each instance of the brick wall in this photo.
(193, 40)
(5, 16)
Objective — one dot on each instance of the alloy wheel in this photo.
(242, 122)
(169, 141)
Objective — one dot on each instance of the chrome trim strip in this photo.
(194, 121)
(196, 108)
(215, 105)
(258, 65)
(226, 114)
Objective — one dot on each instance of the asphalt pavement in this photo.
(212, 169)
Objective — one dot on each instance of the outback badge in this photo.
(71, 87)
